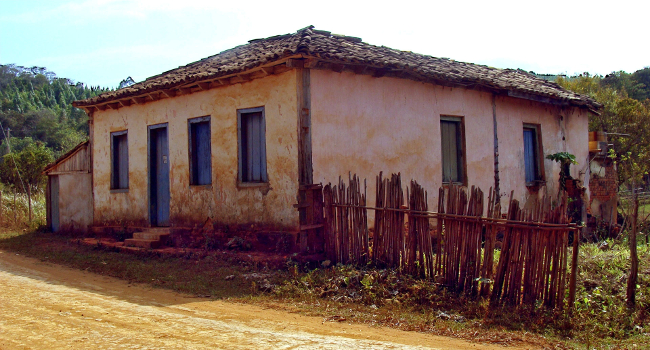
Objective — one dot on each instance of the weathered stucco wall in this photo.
(366, 125)
(603, 188)
(562, 130)
(75, 201)
(222, 201)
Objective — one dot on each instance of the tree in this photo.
(627, 119)
(23, 169)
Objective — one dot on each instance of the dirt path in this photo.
(45, 306)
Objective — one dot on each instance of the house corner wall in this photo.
(603, 200)
(225, 202)
(75, 202)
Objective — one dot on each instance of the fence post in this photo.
(574, 270)
(15, 211)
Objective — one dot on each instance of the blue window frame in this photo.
(200, 151)
(252, 145)
(119, 160)
(452, 145)
(532, 151)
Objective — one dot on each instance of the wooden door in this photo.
(159, 175)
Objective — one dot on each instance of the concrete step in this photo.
(161, 230)
(143, 243)
(149, 235)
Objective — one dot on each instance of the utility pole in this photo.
(14, 186)
(1, 208)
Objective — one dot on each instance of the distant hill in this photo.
(625, 116)
(633, 85)
(36, 104)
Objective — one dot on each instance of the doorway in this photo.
(158, 175)
(54, 202)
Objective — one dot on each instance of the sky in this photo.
(101, 42)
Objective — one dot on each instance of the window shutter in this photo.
(451, 162)
(252, 145)
(123, 165)
(203, 154)
(529, 155)
(119, 161)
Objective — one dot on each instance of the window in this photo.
(119, 161)
(451, 136)
(200, 151)
(532, 150)
(252, 145)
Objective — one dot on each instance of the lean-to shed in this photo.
(69, 191)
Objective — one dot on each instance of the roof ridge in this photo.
(304, 43)
(347, 50)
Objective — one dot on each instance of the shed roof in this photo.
(319, 49)
(81, 146)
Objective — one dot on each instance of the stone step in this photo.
(143, 243)
(149, 235)
(161, 230)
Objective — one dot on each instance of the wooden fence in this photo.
(519, 259)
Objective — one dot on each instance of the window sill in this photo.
(119, 190)
(453, 183)
(536, 183)
(200, 187)
(252, 184)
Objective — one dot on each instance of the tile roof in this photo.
(350, 51)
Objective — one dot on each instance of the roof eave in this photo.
(64, 157)
(190, 85)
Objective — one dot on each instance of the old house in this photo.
(235, 137)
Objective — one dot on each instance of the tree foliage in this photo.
(635, 85)
(35, 103)
(22, 168)
(624, 117)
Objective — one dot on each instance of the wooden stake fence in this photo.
(346, 222)
(420, 261)
(389, 235)
(532, 264)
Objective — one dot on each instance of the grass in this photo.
(600, 319)
(203, 274)
(382, 297)
(15, 214)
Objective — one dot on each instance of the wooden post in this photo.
(497, 188)
(634, 258)
(574, 269)
(29, 199)
(15, 211)
(303, 92)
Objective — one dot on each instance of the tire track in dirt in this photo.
(54, 307)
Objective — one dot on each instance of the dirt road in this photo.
(45, 306)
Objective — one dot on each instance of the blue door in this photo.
(159, 175)
(54, 202)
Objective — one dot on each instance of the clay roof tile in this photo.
(346, 50)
